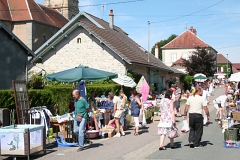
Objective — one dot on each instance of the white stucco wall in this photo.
(167, 54)
(89, 52)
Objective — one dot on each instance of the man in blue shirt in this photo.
(81, 109)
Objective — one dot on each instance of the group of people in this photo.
(82, 109)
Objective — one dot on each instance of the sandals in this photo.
(162, 148)
(173, 147)
(136, 134)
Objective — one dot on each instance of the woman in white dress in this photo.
(211, 88)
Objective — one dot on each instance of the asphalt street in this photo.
(145, 146)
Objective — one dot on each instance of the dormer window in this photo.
(79, 40)
(44, 38)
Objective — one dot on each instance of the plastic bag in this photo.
(185, 126)
(144, 122)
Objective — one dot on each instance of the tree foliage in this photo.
(161, 44)
(201, 61)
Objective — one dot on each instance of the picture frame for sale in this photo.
(21, 100)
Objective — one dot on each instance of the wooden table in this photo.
(63, 124)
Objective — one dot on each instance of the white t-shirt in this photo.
(196, 104)
(118, 101)
(222, 100)
(205, 95)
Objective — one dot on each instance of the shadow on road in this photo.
(93, 145)
(177, 144)
(203, 143)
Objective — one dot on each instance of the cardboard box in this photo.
(231, 134)
(236, 116)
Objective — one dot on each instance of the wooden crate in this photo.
(155, 119)
(236, 116)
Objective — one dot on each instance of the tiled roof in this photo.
(221, 59)
(186, 40)
(25, 10)
(236, 65)
(116, 39)
(179, 61)
(176, 71)
(234, 70)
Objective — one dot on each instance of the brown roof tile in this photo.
(4, 11)
(186, 40)
(234, 70)
(236, 65)
(25, 10)
(221, 59)
(179, 61)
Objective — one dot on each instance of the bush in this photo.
(51, 95)
(186, 80)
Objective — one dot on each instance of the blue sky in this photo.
(217, 21)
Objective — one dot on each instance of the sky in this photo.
(217, 21)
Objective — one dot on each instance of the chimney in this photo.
(111, 19)
(156, 50)
(193, 30)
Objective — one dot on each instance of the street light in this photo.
(227, 65)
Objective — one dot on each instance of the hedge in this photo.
(61, 95)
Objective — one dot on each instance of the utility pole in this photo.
(148, 39)
(227, 65)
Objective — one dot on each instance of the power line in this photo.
(93, 5)
(190, 13)
(90, 5)
(188, 22)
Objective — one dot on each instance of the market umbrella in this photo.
(80, 73)
(235, 77)
(143, 88)
(124, 80)
(198, 74)
(200, 78)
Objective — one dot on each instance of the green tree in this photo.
(201, 61)
(161, 44)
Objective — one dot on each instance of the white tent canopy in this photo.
(235, 77)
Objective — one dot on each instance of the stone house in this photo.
(32, 23)
(93, 42)
(14, 58)
(182, 47)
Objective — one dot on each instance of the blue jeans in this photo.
(122, 119)
(79, 128)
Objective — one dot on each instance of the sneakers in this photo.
(123, 133)
(197, 147)
(191, 145)
(80, 149)
(117, 135)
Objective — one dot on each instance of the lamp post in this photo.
(227, 65)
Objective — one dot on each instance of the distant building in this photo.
(32, 23)
(222, 64)
(182, 47)
(235, 67)
(14, 58)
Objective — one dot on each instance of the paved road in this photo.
(145, 146)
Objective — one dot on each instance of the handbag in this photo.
(173, 133)
(79, 117)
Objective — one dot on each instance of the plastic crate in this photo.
(233, 144)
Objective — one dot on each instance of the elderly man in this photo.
(195, 105)
(81, 109)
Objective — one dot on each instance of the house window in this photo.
(185, 55)
(174, 57)
(79, 40)
(44, 38)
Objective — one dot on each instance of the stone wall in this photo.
(80, 48)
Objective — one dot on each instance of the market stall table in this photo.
(63, 124)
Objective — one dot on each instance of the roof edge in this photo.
(30, 52)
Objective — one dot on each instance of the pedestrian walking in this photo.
(194, 106)
(167, 119)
